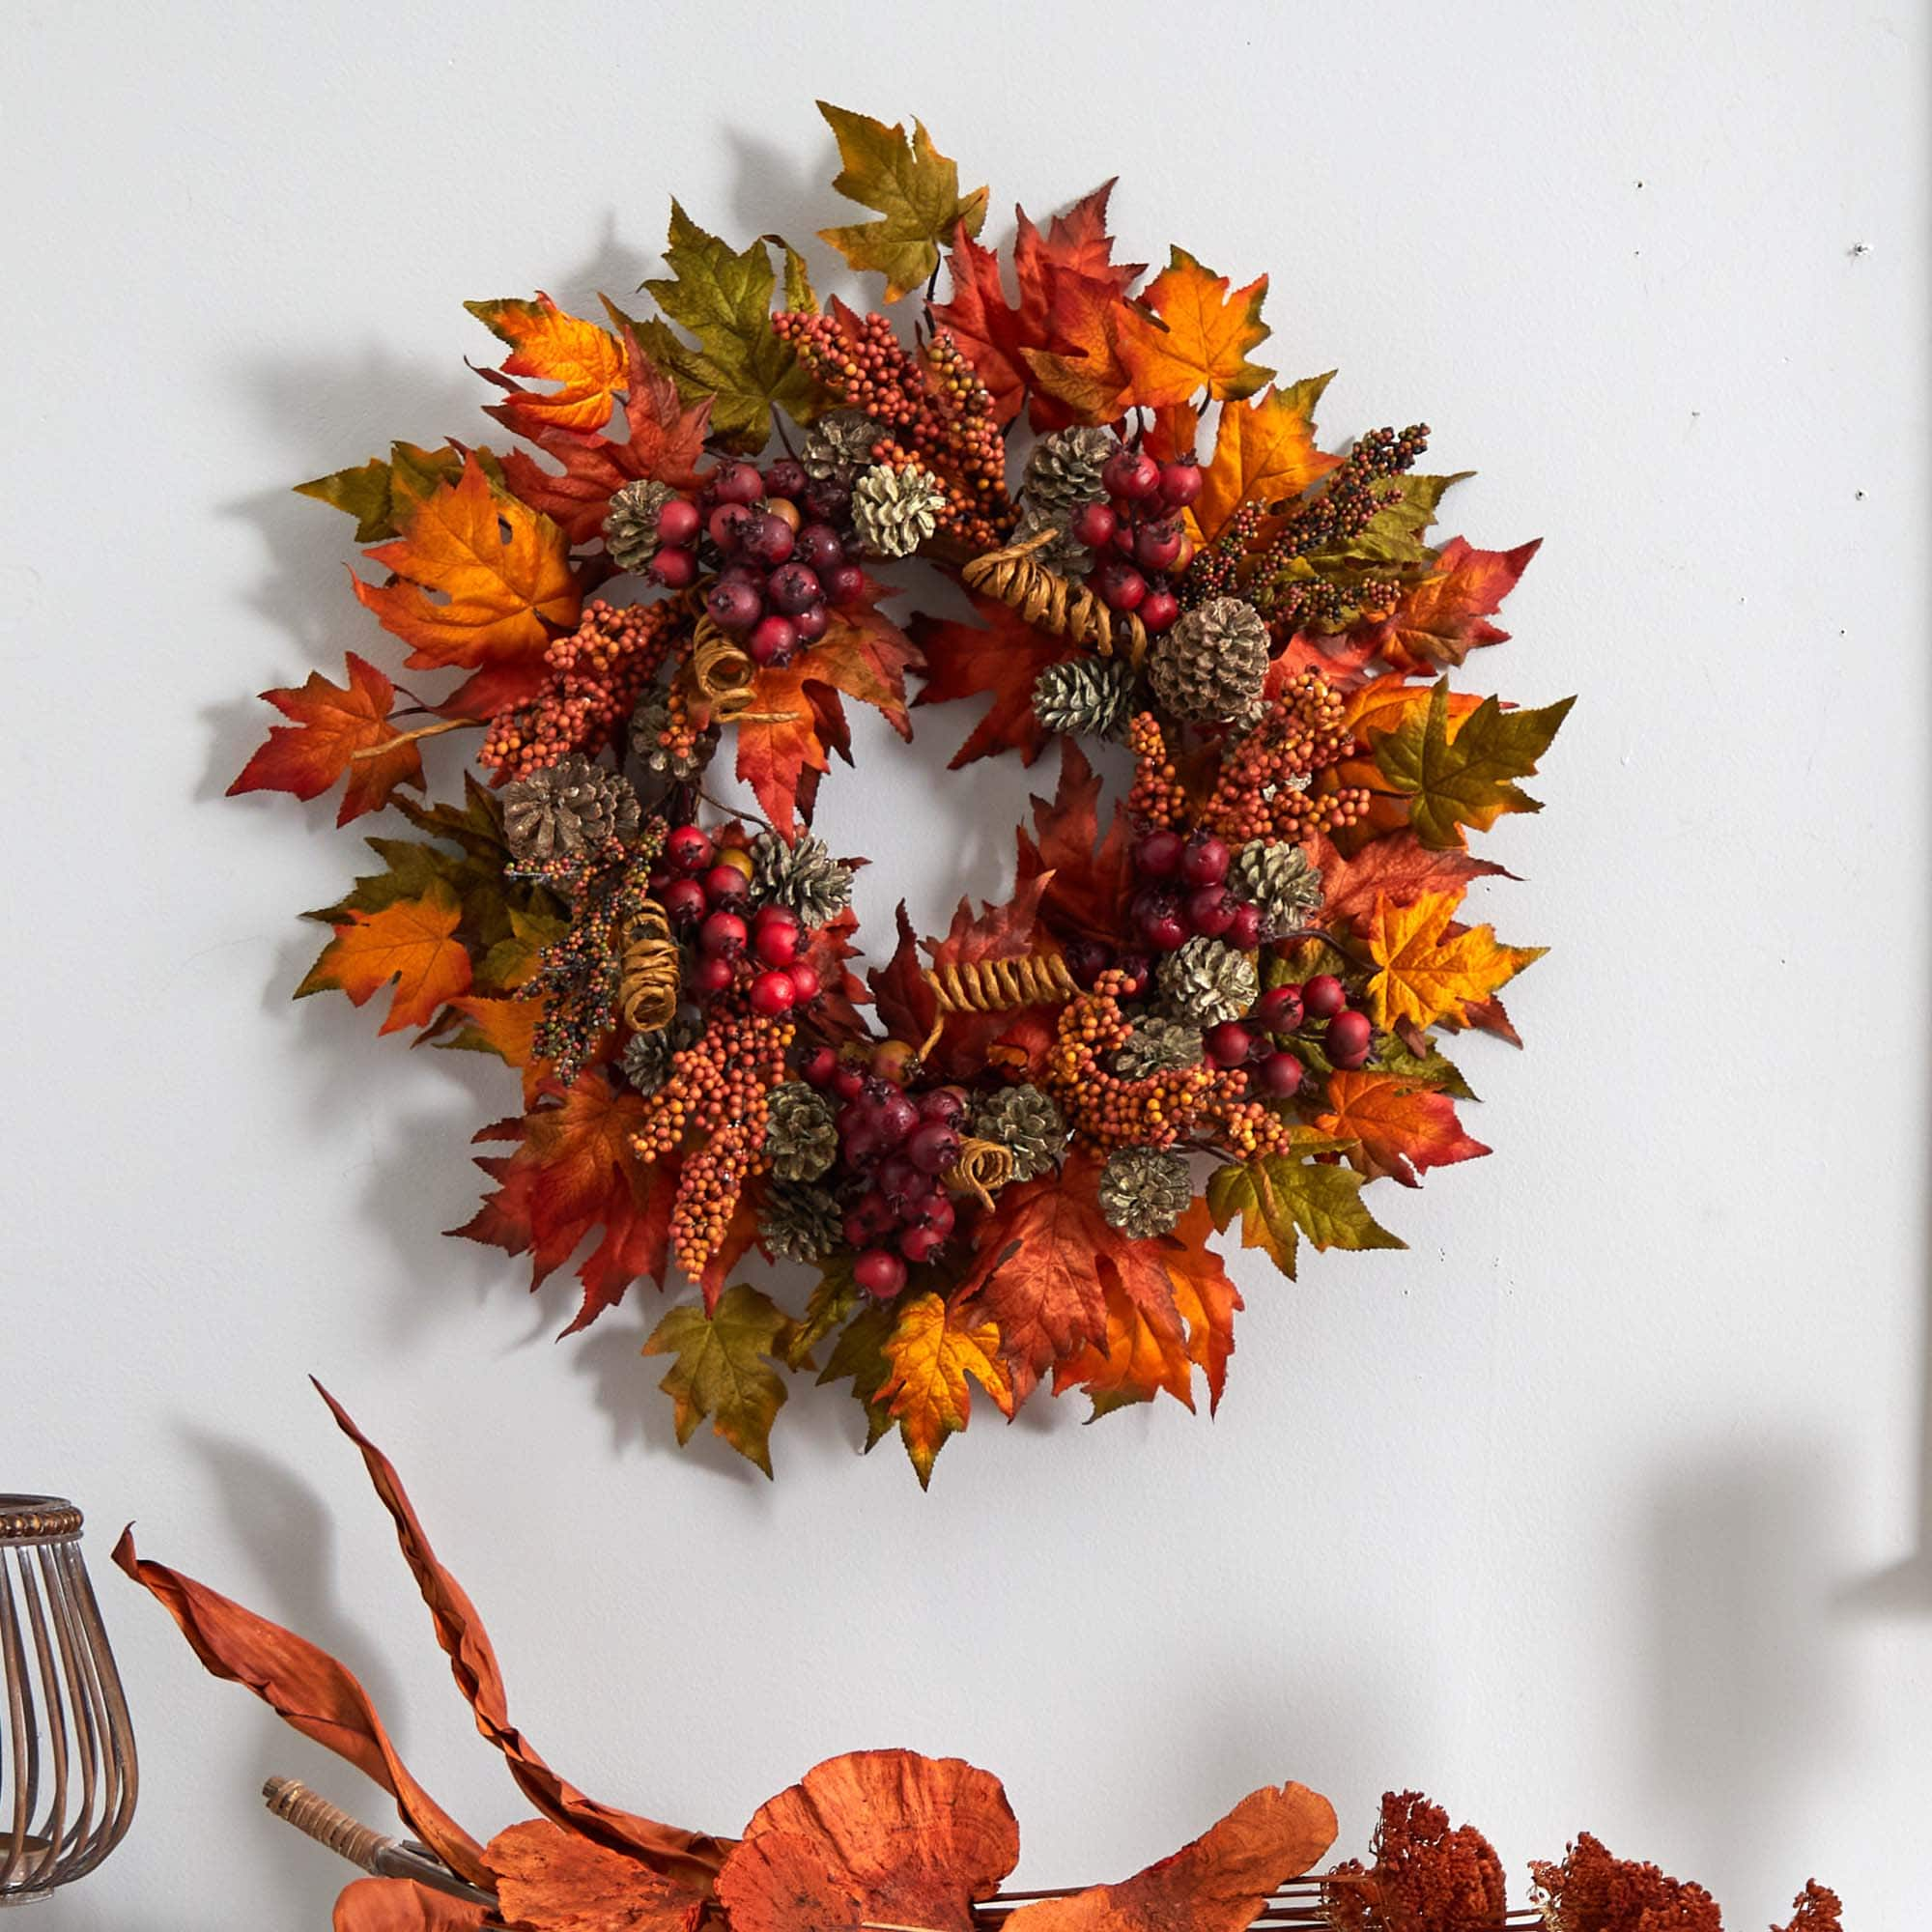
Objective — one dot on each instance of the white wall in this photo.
(1605, 1506)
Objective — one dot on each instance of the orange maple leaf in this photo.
(1441, 620)
(1265, 452)
(1399, 866)
(585, 360)
(1399, 1128)
(411, 942)
(1387, 702)
(936, 1352)
(1205, 339)
(503, 572)
(999, 657)
(507, 1028)
(1218, 1884)
(338, 728)
(1084, 372)
(1427, 970)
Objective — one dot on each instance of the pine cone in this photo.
(1063, 474)
(800, 1136)
(895, 510)
(649, 722)
(1208, 981)
(569, 808)
(1210, 667)
(647, 1056)
(1279, 880)
(799, 1222)
(838, 445)
(1085, 698)
(1027, 1124)
(631, 524)
(1158, 1046)
(1144, 1191)
(803, 875)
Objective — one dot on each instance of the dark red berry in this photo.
(687, 849)
(1094, 525)
(810, 624)
(785, 477)
(1157, 853)
(1086, 959)
(934, 1147)
(722, 935)
(1137, 972)
(805, 980)
(818, 546)
(726, 526)
(848, 1083)
(820, 1065)
(1210, 912)
(897, 1118)
(772, 639)
(711, 973)
(1129, 474)
(795, 587)
(1121, 586)
(947, 1104)
(880, 1272)
(677, 521)
(684, 901)
(1230, 1044)
(776, 943)
(1180, 481)
(919, 1243)
(767, 539)
(674, 568)
(724, 885)
(772, 993)
(1348, 1038)
(1160, 608)
(1279, 1010)
(738, 483)
(1156, 546)
(1278, 1075)
(845, 584)
(733, 605)
(1323, 996)
(937, 1212)
(1205, 863)
(1151, 906)
(1244, 930)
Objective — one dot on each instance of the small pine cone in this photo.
(649, 723)
(798, 1222)
(803, 875)
(1027, 1124)
(838, 445)
(647, 1056)
(1085, 698)
(895, 510)
(1209, 669)
(568, 808)
(631, 524)
(1063, 476)
(1279, 880)
(1158, 1046)
(1208, 981)
(800, 1135)
(1144, 1191)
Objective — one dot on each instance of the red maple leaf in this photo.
(338, 728)
(1088, 878)
(1002, 656)
(666, 442)
(1398, 867)
(1443, 618)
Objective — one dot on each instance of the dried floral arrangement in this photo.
(873, 1841)
(1245, 974)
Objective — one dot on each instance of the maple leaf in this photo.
(933, 1350)
(411, 942)
(1207, 1299)
(996, 337)
(1461, 775)
(1281, 1197)
(585, 360)
(401, 1905)
(1442, 620)
(723, 1369)
(378, 492)
(503, 571)
(889, 1836)
(1399, 1128)
(1205, 339)
(724, 297)
(859, 1356)
(574, 1170)
(1083, 373)
(1218, 1884)
(913, 189)
(1397, 866)
(507, 1028)
(1088, 878)
(338, 728)
(1264, 452)
(1139, 1358)
(1427, 970)
(1001, 656)
(1388, 702)
(663, 441)
(550, 1880)
(796, 718)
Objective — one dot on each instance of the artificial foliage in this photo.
(875, 1840)
(1219, 1001)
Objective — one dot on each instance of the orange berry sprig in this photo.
(1158, 799)
(594, 678)
(1265, 790)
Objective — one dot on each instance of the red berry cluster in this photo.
(1276, 1071)
(894, 1148)
(781, 563)
(1137, 536)
(707, 892)
(1185, 895)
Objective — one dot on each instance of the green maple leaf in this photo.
(724, 1369)
(378, 493)
(725, 298)
(1280, 1198)
(1458, 774)
(832, 1301)
(914, 190)
(858, 1355)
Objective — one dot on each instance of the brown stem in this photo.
(435, 731)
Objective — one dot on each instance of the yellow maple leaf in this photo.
(1426, 973)
(933, 1349)
(1205, 339)
(913, 187)
(585, 361)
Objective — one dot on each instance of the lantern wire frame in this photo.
(68, 1772)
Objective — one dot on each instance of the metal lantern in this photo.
(66, 1751)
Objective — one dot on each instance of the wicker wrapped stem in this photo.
(996, 986)
(290, 1800)
(1050, 602)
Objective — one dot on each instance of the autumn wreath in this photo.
(871, 1841)
(1244, 973)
